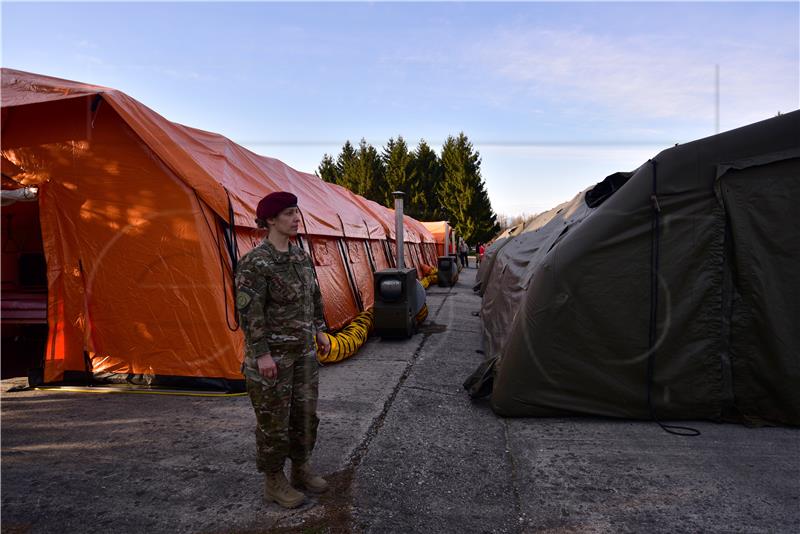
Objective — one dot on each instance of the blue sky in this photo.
(555, 96)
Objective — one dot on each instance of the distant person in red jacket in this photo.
(480, 250)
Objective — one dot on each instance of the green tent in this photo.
(668, 292)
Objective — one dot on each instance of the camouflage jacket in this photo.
(279, 303)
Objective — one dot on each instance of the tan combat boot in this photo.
(303, 478)
(277, 489)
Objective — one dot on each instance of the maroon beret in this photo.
(274, 203)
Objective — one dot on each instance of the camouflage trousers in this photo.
(286, 411)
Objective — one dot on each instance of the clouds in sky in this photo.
(555, 95)
(645, 89)
(641, 75)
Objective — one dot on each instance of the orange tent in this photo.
(140, 221)
(438, 229)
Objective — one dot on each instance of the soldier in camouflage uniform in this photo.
(280, 311)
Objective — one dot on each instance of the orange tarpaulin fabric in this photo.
(379, 255)
(134, 210)
(438, 230)
(125, 283)
(362, 271)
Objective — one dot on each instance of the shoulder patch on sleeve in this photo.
(242, 300)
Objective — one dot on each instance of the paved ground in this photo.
(405, 448)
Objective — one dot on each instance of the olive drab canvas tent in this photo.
(140, 222)
(669, 292)
(503, 293)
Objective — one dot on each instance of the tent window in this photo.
(322, 254)
(346, 261)
(354, 252)
(388, 249)
(369, 256)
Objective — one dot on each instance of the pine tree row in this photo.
(437, 187)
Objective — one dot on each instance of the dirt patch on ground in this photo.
(337, 502)
(429, 327)
(331, 515)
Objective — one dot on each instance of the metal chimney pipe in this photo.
(446, 238)
(398, 228)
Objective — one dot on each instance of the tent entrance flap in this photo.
(24, 291)
(759, 201)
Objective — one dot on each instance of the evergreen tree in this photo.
(359, 170)
(401, 176)
(347, 167)
(462, 192)
(428, 174)
(328, 170)
(486, 226)
(369, 173)
(436, 188)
